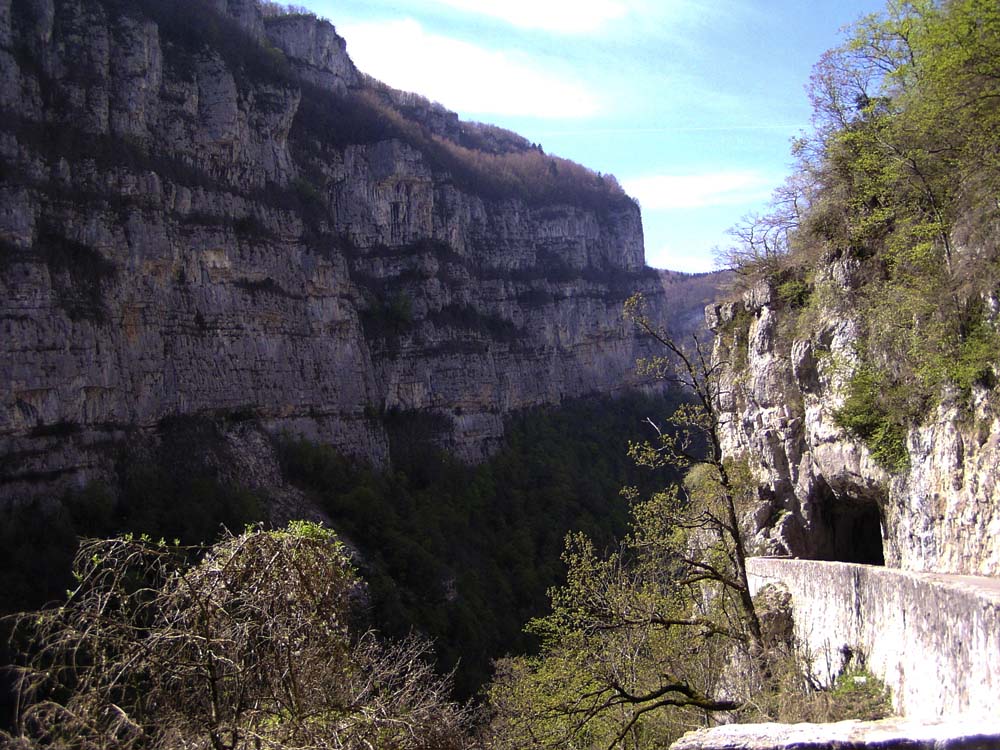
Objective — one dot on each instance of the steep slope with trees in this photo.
(863, 352)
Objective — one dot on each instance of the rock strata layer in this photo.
(204, 210)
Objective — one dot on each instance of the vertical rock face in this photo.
(204, 211)
(824, 496)
(315, 50)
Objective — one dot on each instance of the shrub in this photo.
(794, 292)
(858, 694)
(864, 415)
(246, 644)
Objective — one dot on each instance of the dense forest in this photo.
(466, 554)
(463, 555)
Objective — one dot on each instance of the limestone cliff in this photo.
(823, 494)
(204, 210)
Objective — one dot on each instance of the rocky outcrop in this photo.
(823, 494)
(315, 50)
(205, 211)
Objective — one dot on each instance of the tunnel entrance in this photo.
(853, 529)
(844, 526)
(857, 532)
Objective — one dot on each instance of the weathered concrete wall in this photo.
(934, 639)
(888, 734)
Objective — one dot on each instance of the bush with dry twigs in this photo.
(246, 644)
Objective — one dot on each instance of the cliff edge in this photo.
(208, 210)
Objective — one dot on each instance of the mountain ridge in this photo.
(208, 211)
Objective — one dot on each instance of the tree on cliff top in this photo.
(250, 646)
(655, 624)
(898, 185)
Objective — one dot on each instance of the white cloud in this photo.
(560, 16)
(461, 75)
(679, 260)
(665, 192)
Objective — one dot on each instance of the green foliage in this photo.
(899, 181)
(633, 651)
(733, 337)
(855, 694)
(865, 416)
(976, 360)
(466, 554)
(649, 626)
(858, 694)
(794, 292)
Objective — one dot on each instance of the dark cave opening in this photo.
(854, 527)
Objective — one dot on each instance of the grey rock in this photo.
(932, 638)
(318, 53)
(780, 400)
(188, 256)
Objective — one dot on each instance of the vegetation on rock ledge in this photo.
(896, 187)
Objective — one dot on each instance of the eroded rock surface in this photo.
(203, 211)
(823, 495)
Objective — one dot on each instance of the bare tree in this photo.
(643, 642)
(719, 495)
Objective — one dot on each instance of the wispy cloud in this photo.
(560, 16)
(665, 192)
(462, 75)
(785, 127)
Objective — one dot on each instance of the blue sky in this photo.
(692, 104)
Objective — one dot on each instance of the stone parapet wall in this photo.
(934, 639)
(888, 734)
